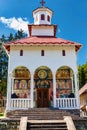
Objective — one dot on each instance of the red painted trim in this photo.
(30, 29)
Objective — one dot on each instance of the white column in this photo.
(54, 90)
(12, 84)
(72, 84)
(8, 105)
(77, 91)
(32, 89)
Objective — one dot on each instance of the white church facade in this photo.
(42, 69)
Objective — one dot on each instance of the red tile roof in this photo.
(42, 41)
(83, 89)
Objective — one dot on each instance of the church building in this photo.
(42, 68)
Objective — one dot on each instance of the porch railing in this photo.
(61, 103)
(2, 105)
(66, 103)
(2, 102)
(21, 103)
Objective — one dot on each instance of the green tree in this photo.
(3, 38)
(3, 70)
(20, 34)
(10, 37)
(3, 86)
(82, 71)
(15, 36)
(82, 79)
(85, 71)
(4, 58)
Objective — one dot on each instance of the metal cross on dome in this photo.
(42, 3)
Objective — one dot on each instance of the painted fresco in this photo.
(63, 83)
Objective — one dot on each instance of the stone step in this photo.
(45, 110)
(40, 114)
(47, 129)
(47, 125)
(38, 118)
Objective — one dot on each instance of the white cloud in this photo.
(15, 24)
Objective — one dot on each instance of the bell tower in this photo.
(42, 15)
(42, 22)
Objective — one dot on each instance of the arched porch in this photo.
(43, 88)
(18, 94)
(66, 88)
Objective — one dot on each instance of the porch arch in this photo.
(65, 82)
(43, 79)
(21, 82)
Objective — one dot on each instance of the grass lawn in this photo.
(1, 115)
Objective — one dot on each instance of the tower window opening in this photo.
(42, 52)
(48, 18)
(42, 17)
(63, 53)
(21, 52)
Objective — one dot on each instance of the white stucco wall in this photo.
(32, 58)
(44, 31)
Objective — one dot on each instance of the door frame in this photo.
(42, 100)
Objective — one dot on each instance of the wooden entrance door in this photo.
(42, 97)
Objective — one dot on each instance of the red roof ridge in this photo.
(42, 41)
(57, 39)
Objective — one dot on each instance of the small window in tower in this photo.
(42, 17)
(63, 53)
(42, 52)
(48, 18)
(21, 52)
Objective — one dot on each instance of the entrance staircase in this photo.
(42, 118)
(42, 114)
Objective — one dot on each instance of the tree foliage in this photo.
(3, 38)
(4, 58)
(18, 35)
(82, 71)
(3, 69)
(10, 37)
(3, 86)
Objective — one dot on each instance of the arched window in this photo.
(42, 17)
(21, 52)
(63, 53)
(48, 18)
(42, 52)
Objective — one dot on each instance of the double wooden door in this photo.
(42, 97)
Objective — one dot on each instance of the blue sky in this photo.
(70, 15)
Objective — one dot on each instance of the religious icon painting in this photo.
(42, 74)
(16, 84)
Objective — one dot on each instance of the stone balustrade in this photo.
(66, 103)
(20, 103)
